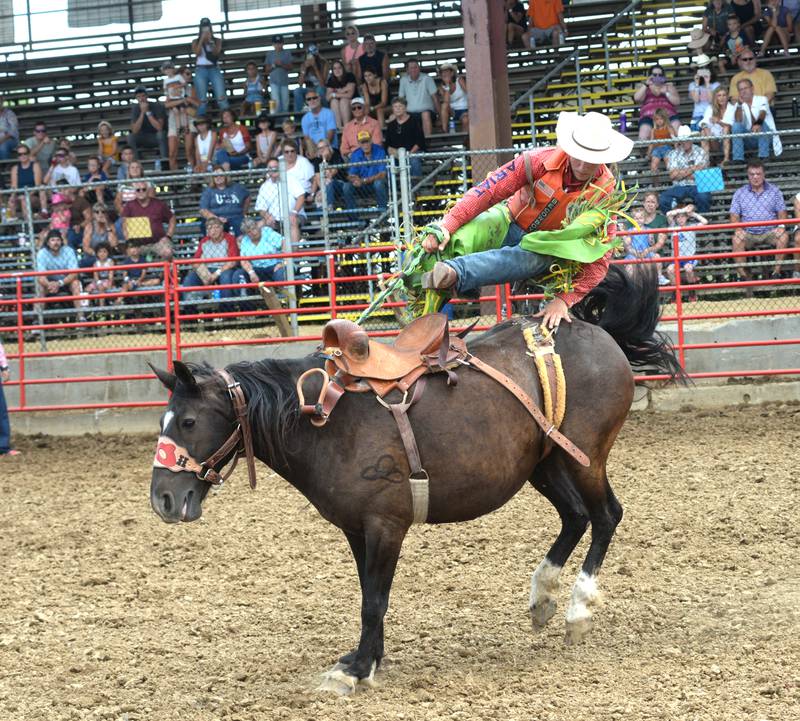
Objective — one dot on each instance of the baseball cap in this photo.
(167, 64)
(277, 38)
(140, 89)
(202, 120)
(364, 135)
(357, 101)
(215, 221)
(205, 23)
(57, 198)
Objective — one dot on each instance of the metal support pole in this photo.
(323, 169)
(405, 198)
(606, 55)
(287, 240)
(635, 34)
(578, 80)
(393, 193)
(20, 343)
(533, 120)
(32, 245)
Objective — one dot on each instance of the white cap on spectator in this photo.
(357, 101)
(685, 132)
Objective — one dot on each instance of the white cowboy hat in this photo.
(684, 132)
(591, 138)
(697, 38)
(701, 60)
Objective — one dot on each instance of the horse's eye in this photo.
(187, 422)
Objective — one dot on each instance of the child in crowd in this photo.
(134, 278)
(5, 426)
(662, 130)
(290, 133)
(177, 106)
(687, 242)
(265, 140)
(103, 280)
(644, 245)
(253, 90)
(107, 146)
(60, 217)
(126, 158)
(96, 174)
(733, 44)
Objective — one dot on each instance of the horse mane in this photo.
(626, 305)
(272, 404)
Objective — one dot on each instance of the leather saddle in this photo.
(420, 346)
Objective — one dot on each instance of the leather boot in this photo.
(441, 277)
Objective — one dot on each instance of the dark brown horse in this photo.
(477, 442)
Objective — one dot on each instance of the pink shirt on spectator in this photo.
(653, 102)
(3, 359)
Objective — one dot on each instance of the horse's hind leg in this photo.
(605, 513)
(553, 481)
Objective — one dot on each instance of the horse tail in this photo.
(626, 305)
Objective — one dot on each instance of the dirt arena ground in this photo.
(107, 613)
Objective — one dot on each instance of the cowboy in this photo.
(533, 191)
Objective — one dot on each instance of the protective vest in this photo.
(542, 204)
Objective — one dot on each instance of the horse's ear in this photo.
(168, 380)
(184, 375)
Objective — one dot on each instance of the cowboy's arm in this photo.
(587, 278)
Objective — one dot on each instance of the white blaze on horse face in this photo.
(544, 584)
(585, 595)
(168, 416)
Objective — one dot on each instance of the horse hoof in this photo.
(541, 613)
(337, 682)
(577, 630)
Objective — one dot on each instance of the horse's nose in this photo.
(164, 505)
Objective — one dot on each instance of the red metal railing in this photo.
(175, 319)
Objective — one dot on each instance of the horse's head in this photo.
(198, 421)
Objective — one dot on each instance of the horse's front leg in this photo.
(383, 540)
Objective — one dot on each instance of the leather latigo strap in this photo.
(549, 430)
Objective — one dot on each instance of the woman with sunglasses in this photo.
(26, 174)
(653, 93)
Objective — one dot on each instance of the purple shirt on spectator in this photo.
(751, 206)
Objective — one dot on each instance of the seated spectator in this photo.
(654, 93)
(332, 183)
(177, 106)
(793, 6)
(61, 265)
(318, 123)
(751, 114)
(254, 90)
(143, 222)
(777, 21)
(134, 278)
(9, 130)
(80, 215)
(41, 145)
(26, 174)
(96, 174)
(61, 168)
(735, 42)
(66, 146)
(234, 143)
(749, 14)
(268, 203)
(259, 239)
(682, 162)
(207, 49)
(60, 217)
(361, 121)
(313, 74)
(643, 246)
(103, 279)
(454, 98)
(215, 245)
(277, 64)
(762, 80)
(653, 218)
(289, 132)
(758, 200)
(341, 87)
(421, 94)
(297, 167)
(205, 145)
(107, 147)
(546, 23)
(372, 59)
(99, 231)
(701, 91)
(405, 131)
(715, 25)
(352, 49)
(224, 201)
(516, 23)
(126, 158)
(712, 125)
(687, 244)
(366, 180)
(375, 91)
(266, 141)
(662, 130)
(148, 121)
(127, 191)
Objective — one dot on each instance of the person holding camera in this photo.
(654, 93)
(313, 74)
(701, 91)
(207, 50)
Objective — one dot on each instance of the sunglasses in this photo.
(360, 107)
(141, 190)
(39, 130)
(272, 170)
(291, 152)
(61, 155)
(312, 97)
(23, 153)
(657, 75)
(747, 60)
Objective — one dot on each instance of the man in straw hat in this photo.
(531, 193)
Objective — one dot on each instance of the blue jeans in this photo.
(507, 264)
(416, 166)
(203, 75)
(7, 148)
(701, 200)
(236, 162)
(5, 426)
(335, 187)
(762, 142)
(192, 279)
(376, 187)
(280, 94)
(299, 96)
(274, 273)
